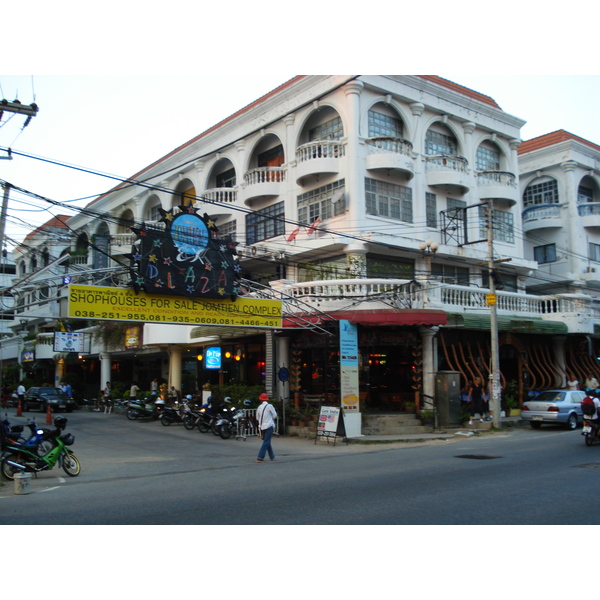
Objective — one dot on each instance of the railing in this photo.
(446, 162)
(334, 289)
(385, 145)
(321, 149)
(588, 209)
(265, 175)
(496, 178)
(544, 211)
(226, 195)
(453, 297)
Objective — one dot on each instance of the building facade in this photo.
(384, 201)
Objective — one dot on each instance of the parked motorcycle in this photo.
(170, 414)
(138, 409)
(37, 440)
(591, 431)
(208, 417)
(18, 459)
(192, 415)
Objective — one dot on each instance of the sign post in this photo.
(349, 377)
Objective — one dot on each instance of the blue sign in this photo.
(212, 358)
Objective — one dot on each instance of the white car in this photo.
(554, 407)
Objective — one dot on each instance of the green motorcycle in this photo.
(16, 459)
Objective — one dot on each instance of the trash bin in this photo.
(22, 481)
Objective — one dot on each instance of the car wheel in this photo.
(535, 424)
(571, 421)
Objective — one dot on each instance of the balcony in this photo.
(318, 158)
(448, 172)
(217, 200)
(390, 154)
(542, 216)
(589, 213)
(497, 185)
(263, 182)
(467, 305)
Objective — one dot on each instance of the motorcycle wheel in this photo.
(165, 421)
(132, 414)
(589, 439)
(189, 423)
(214, 428)
(71, 465)
(44, 447)
(203, 427)
(9, 471)
(225, 431)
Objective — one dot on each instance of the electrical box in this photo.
(447, 398)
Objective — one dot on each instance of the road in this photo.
(141, 473)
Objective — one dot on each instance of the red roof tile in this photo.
(550, 139)
(58, 221)
(460, 89)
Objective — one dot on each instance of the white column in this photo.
(427, 342)
(355, 197)
(105, 370)
(175, 367)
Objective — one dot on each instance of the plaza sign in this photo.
(123, 304)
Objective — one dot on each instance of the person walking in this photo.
(265, 415)
(133, 390)
(476, 400)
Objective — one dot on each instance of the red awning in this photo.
(409, 316)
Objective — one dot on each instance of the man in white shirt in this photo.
(266, 415)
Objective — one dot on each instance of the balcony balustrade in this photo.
(390, 154)
(447, 171)
(224, 195)
(497, 185)
(262, 182)
(321, 157)
(539, 217)
(589, 213)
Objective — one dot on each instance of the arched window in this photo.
(487, 157)
(544, 191)
(440, 140)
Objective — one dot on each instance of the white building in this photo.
(366, 198)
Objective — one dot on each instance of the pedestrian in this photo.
(476, 400)
(572, 383)
(265, 415)
(174, 395)
(67, 389)
(154, 387)
(133, 390)
(106, 398)
(21, 393)
(591, 382)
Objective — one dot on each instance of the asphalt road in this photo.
(142, 473)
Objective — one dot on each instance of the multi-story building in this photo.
(362, 199)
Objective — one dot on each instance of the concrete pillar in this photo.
(427, 341)
(105, 369)
(355, 197)
(175, 367)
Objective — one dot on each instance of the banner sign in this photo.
(123, 304)
(349, 366)
(66, 341)
(185, 257)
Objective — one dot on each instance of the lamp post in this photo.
(428, 248)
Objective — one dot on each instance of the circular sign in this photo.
(189, 234)
(283, 374)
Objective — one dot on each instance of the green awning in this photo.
(470, 321)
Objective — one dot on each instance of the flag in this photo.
(312, 228)
(293, 235)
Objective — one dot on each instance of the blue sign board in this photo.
(212, 358)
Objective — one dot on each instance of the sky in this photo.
(118, 124)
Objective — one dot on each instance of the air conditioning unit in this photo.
(590, 270)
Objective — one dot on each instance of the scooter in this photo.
(37, 441)
(171, 414)
(138, 409)
(17, 459)
(591, 431)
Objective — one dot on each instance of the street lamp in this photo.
(428, 248)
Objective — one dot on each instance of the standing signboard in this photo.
(331, 423)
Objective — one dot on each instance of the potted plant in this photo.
(427, 417)
(409, 406)
(509, 399)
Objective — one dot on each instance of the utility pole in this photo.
(21, 109)
(494, 377)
